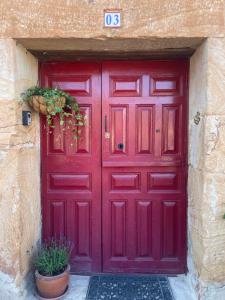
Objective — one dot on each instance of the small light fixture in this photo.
(26, 118)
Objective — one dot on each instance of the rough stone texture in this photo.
(147, 25)
(110, 45)
(206, 259)
(141, 18)
(19, 164)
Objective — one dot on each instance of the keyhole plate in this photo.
(120, 146)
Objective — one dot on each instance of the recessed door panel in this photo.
(118, 228)
(83, 227)
(162, 85)
(57, 219)
(144, 133)
(172, 127)
(118, 129)
(83, 144)
(78, 85)
(125, 181)
(76, 182)
(56, 136)
(144, 228)
(123, 86)
(169, 229)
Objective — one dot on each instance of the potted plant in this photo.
(52, 269)
(54, 102)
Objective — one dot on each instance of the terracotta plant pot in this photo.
(38, 103)
(51, 287)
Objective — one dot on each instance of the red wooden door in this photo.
(71, 170)
(144, 162)
(143, 120)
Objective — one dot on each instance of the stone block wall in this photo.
(84, 18)
(20, 170)
(152, 23)
(206, 187)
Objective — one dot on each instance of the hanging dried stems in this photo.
(53, 103)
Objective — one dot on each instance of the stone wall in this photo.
(84, 18)
(152, 23)
(206, 188)
(20, 169)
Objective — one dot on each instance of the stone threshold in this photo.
(79, 285)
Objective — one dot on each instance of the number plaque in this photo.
(112, 18)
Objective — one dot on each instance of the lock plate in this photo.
(120, 146)
(107, 135)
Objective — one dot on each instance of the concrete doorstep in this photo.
(79, 285)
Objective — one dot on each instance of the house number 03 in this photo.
(112, 19)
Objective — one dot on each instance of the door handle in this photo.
(106, 123)
(107, 134)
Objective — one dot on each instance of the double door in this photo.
(119, 191)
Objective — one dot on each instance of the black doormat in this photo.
(143, 287)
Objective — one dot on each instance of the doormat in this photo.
(143, 287)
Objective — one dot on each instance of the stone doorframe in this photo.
(20, 153)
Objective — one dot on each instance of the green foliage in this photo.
(69, 115)
(53, 257)
(224, 216)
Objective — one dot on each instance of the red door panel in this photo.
(71, 169)
(119, 192)
(144, 166)
(145, 121)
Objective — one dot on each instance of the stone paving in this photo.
(79, 285)
(181, 288)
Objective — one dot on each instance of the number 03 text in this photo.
(112, 19)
